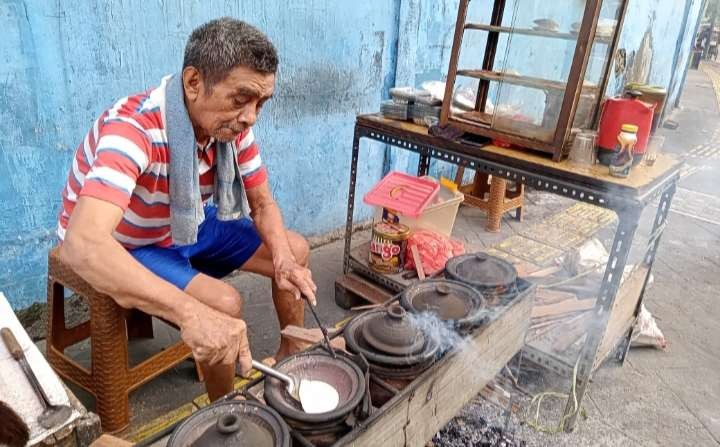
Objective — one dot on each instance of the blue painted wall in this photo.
(64, 61)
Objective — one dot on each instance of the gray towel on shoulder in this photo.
(186, 207)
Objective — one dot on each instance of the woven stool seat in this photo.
(500, 199)
(110, 378)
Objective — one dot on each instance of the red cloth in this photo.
(434, 250)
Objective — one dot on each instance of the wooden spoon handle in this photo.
(12, 344)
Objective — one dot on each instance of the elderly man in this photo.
(158, 201)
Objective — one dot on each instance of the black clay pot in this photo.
(341, 373)
(452, 301)
(236, 423)
(385, 337)
(486, 273)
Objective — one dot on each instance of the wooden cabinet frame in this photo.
(476, 121)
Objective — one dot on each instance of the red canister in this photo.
(619, 111)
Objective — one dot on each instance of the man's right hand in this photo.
(216, 338)
(91, 251)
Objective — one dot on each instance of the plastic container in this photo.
(403, 194)
(439, 216)
(619, 111)
(583, 148)
(655, 146)
(652, 94)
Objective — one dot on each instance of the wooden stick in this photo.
(544, 272)
(418, 262)
(367, 306)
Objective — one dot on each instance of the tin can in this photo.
(387, 247)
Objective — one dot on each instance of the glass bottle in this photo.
(623, 159)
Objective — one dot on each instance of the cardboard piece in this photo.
(15, 387)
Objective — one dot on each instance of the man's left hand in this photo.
(293, 277)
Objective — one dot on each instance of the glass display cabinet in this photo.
(528, 72)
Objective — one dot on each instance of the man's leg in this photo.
(289, 310)
(224, 298)
(174, 266)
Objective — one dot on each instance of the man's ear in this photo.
(192, 83)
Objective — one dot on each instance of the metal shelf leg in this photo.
(351, 200)
(423, 164)
(658, 227)
(628, 223)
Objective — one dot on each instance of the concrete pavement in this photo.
(667, 397)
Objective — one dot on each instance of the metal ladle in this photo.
(305, 392)
(292, 384)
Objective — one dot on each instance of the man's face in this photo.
(230, 106)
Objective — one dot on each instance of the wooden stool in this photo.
(500, 199)
(110, 378)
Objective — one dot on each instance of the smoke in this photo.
(442, 332)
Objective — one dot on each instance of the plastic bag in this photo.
(647, 332)
(434, 249)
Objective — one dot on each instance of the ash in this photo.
(473, 431)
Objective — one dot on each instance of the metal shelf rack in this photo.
(627, 197)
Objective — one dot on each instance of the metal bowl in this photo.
(236, 422)
(341, 373)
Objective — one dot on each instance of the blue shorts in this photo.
(221, 248)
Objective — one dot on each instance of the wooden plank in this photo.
(563, 307)
(502, 123)
(418, 262)
(496, 394)
(642, 178)
(162, 422)
(360, 254)
(570, 332)
(305, 337)
(548, 296)
(352, 290)
(530, 32)
(622, 314)
(458, 386)
(397, 412)
(523, 81)
(110, 441)
(541, 273)
(472, 126)
(414, 416)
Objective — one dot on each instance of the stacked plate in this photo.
(393, 110)
(423, 114)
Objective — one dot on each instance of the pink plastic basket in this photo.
(402, 193)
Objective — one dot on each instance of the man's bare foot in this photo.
(289, 347)
(269, 361)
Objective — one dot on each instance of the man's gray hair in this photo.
(220, 45)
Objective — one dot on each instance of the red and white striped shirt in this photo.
(124, 160)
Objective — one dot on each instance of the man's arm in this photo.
(92, 252)
(266, 214)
